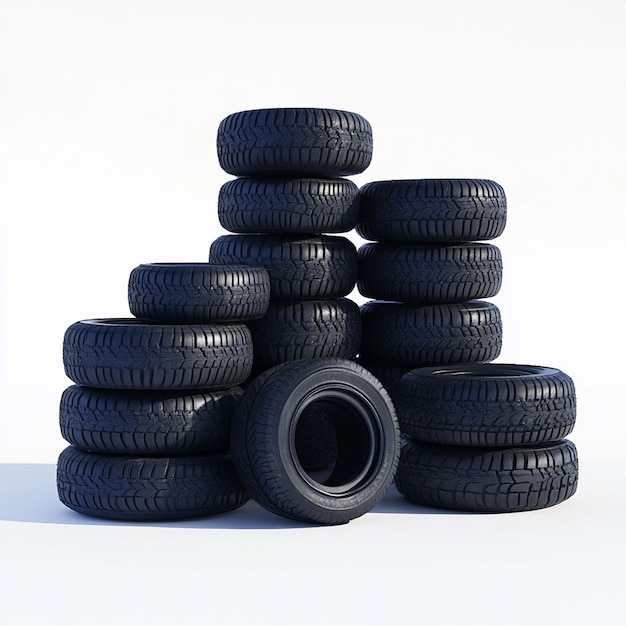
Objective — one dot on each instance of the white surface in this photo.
(108, 117)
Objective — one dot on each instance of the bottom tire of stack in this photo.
(398, 336)
(487, 437)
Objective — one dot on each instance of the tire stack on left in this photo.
(148, 417)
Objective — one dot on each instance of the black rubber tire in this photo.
(389, 374)
(430, 274)
(140, 423)
(126, 353)
(288, 205)
(444, 209)
(294, 142)
(147, 489)
(293, 330)
(487, 480)
(317, 267)
(425, 335)
(487, 404)
(265, 431)
(198, 292)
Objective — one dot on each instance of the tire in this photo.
(324, 266)
(126, 353)
(388, 374)
(489, 404)
(429, 274)
(139, 423)
(198, 292)
(147, 489)
(421, 336)
(487, 480)
(432, 210)
(288, 206)
(265, 431)
(294, 142)
(293, 330)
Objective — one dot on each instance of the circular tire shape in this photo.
(293, 330)
(486, 404)
(198, 292)
(288, 205)
(147, 489)
(294, 142)
(487, 480)
(323, 266)
(421, 336)
(142, 423)
(275, 407)
(433, 274)
(439, 209)
(126, 353)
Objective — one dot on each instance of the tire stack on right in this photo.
(286, 210)
(477, 435)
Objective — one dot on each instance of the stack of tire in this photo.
(149, 415)
(315, 436)
(477, 435)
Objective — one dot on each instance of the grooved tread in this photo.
(445, 209)
(145, 423)
(147, 489)
(313, 267)
(408, 272)
(282, 206)
(198, 292)
(294, 142)
(488, 480)
(130, 354)
(424, 335)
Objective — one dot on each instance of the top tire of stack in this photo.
(431, 210)
(294, 142)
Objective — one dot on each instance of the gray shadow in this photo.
(28, 494)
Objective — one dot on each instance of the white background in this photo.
(108, 118)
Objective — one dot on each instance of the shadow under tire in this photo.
(147, 423)
(294, 142)
(147, 489)
(487, 480)
(366, 441)
(486, 404)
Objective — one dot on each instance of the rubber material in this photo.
(486, 404)
(323, 266)
(429, 273)
(198, 292)
(306, 329)
(487, 480)
(288, 205)
(143, 423)
(294, 142)
(265, 429)
(147, 489)
(125, 353)
(440, 209)
(424, 335)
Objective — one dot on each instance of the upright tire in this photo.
(486, 404)
(294, 142)
(429, 210)
(147, 489)
(265, 430)
(487, 480)
(129, 354)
